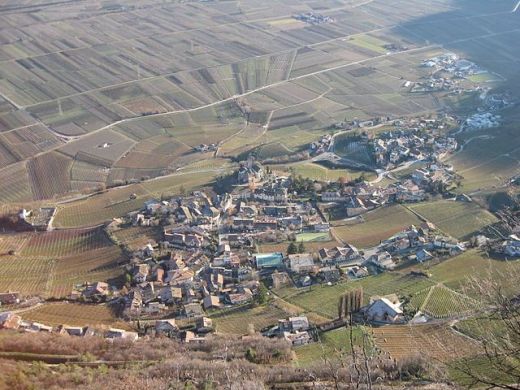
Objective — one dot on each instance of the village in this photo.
(207, 261)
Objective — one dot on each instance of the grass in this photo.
(456, 271)
(319, 172)
(238, 322)
(323, 299)
(379, 225)
(312, 237)
(117, 202)
(331, 346)
(458, 219)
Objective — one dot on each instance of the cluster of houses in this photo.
(322, 145)
(203, 148)
(482, 121)
(313, 18)
(10, 320)
(452, 63)
(397, 147)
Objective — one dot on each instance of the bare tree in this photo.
(497, 332)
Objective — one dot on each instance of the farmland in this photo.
(89, 126)
(458, 219)
(437, 341)
(323, 300)
(65, 242)
(238, 322)
(378, 225)
(72, 314)
(50, 264)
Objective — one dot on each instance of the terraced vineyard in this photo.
(71, 314)
(441, 302)
(65, 242)
(138, 236)
(437, 341)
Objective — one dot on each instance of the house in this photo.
(37, 327)
(423, 255)
(332, 196)
(166, 326)
(339, 255)
(204, 325)
(154, 308)
(511, 247)
(301, 262)
(193, 310)
(141, 273)
(211, 302)
(170, 295)
(73, 330)
(384, 310)
(133, 302)
(147, 290)
(382, 260)
(9, 298)
(321, 227)
(9, 320)
(357, 272)
(97, 289)
(297, 338)
(294, 324)
(355, 206)
(114, 333)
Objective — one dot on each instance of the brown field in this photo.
(437, 341)
(65, 242)
(71, 314)
(49, 175)
(136, 237)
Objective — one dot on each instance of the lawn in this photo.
(323, 299)
(379, 225)
(331, 346)
(238, 322)
(458, 219)
(456, 271)
(312, 237)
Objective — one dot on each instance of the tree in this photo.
(292, 249)
(182, 190)
(301, 247)
(497, 332)
(262, 294)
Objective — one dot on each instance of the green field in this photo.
(458, 219)
(457, 271)
(238, 322)
(331, 346)
(323, 300)
(312, 237)
(379, 225)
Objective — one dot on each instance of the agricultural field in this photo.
(238, 322)
(60, 243)
(323, 300)
(378, 225)
(440, 302)
(318, 172)
(458, 219)
(136, 237)
(72, 314)
(457, 271)
(332, 345)
(437, 341)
